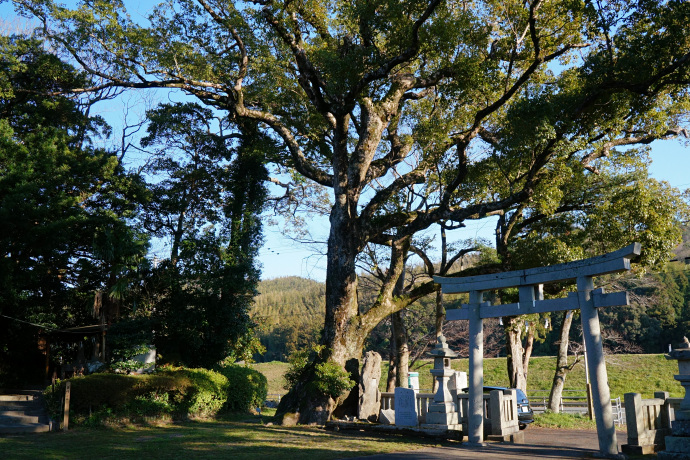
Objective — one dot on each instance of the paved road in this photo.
(540, 443)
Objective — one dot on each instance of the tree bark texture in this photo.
(402, 351)
(392, 369)
(516, 372)
(529, 346)
(562, 367)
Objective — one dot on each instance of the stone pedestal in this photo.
(678, 444)
(443, 412)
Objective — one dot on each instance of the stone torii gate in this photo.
(529, 283)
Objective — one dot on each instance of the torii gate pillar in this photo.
(475, 417)
(601, 394)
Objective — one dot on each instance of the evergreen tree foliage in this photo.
(64, 204)
(205, 200)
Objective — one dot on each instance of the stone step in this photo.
(19, 418)
(24, 428)
(17, 398)
(23, 407)
(23, 412)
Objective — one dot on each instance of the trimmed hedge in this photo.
(169, 393)
(249, 388)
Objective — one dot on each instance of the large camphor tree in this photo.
(479, 108)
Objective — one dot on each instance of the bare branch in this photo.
(605, 149)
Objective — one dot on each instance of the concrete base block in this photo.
(443, 407)
(442, 418)
(632, 449)
(387, 417)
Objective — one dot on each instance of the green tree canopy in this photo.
(64, 204)
(205, 200)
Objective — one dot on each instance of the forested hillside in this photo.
(283, 299)
(289, 312)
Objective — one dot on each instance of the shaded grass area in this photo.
(228, 438)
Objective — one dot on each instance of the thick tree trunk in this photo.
(529, 346)
(402, 352)
(516, 373)
(440, 313)
(562, 367)
(343, 334)
(392, 368)
(345, 328)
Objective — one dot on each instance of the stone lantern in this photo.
(678, 444)
(443, 412)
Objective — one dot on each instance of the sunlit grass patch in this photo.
(564, 421)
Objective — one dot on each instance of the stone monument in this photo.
(369, 394)
(406, 407)
(443, 412)
(678, 444)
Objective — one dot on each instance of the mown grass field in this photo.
(246, 437)
(643, 374)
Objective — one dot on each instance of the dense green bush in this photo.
(169, 393)
(248, 388)
(208, 392)
(329, 378)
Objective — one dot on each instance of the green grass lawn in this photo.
(643, 374)
(274, 372)
(243, 437)
(564, 421)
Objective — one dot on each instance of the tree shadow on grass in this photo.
(207, 439)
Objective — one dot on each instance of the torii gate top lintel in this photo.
(612, 262)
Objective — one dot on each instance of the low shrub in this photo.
(329, 378)
(208, 392)
(248, 388)
(116, 392)
(169, 393)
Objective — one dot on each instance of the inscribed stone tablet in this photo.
(405, 407)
